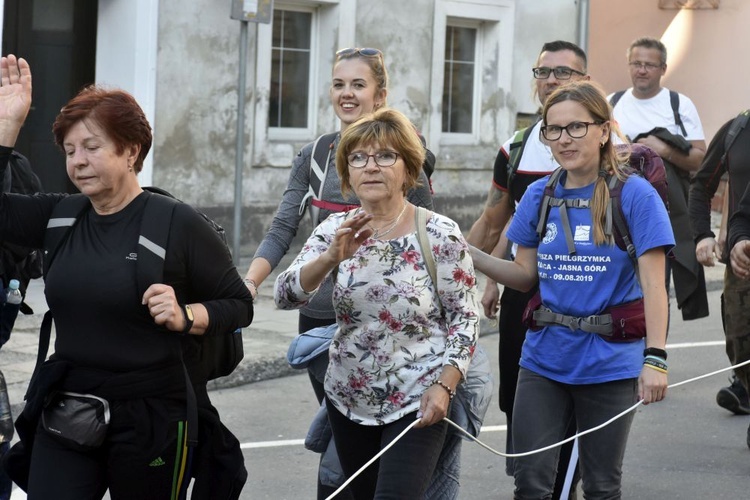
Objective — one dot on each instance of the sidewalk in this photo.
(265, 341)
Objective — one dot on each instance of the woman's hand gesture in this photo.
(349, 237)
(15, 97)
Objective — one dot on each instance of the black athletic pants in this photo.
(119, 465)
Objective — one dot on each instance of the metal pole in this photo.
(583, 25)
(239, 157)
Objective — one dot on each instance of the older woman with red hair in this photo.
(114, 344)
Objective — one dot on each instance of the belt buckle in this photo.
(574, 323)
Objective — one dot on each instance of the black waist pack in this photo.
(79, 421)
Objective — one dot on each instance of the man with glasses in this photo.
(668, 123)
(523, 159)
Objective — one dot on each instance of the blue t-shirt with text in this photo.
(587, 282)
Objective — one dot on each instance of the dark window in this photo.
(458, 83)
(290, 69)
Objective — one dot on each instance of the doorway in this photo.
(58, 38)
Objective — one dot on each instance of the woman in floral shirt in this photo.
(403, 344)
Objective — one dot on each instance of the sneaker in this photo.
(734, 398)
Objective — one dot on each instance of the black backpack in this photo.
(18, 262)
(219, 354)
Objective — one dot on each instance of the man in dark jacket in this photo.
(734, 161)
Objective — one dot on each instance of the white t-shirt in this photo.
(537, 157)
(636, 116)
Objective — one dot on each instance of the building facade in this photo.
(459, 69)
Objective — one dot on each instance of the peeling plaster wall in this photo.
(537, 22)
(196, 102)
(195, 126)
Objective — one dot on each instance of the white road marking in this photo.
(487, 428)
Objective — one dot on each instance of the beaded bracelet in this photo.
(655, 363)
(445, 386)
(248, 281)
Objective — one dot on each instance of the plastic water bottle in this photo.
(13, 295)
(6, 419)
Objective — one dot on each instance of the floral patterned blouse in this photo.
(392, 340)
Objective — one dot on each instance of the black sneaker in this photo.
(734, 398)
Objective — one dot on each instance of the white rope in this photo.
(346, 483)
(532, 452)
(593, 429)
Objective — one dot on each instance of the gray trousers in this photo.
(543, 408)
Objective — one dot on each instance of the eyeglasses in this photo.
(561, 72)
(366, 52)
(644, 65)
(576, 130)
(359, 159)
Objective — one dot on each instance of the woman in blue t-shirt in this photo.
(570, 371)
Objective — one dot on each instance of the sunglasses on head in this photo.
(366, 52)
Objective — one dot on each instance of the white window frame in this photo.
(494, 20)
(264, 67)
(332, 30)
(465, 137)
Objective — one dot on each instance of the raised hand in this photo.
(15, 97)
(350, 236)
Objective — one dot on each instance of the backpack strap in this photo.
(64, 216)
(735, 128)
(153, 239)
(674, 101)
(549, 200)
(616, 216)
(152, 251)
(421, 216)
(516, 152)
(7, 179)
(616, 98)
(320, 158)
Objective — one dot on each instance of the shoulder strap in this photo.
(550, 200)
(674, 101)
(152, 251)
(7, 180)
(616, 217)
(516, 151)
(153, 239)
(549, 195)
(616, 98)
(64, 216)
(735, 128)
(319, 161)
(421, 215)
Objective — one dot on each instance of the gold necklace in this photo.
(376, 233)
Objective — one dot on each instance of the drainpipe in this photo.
(583, 25)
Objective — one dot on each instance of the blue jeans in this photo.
(404, 471)
(542, 411)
